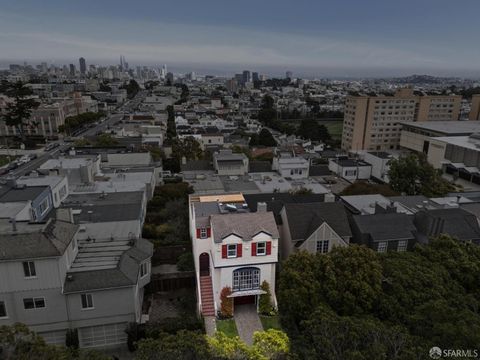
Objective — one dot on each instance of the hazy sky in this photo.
(335, 37)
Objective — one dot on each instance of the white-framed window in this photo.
(350, 172)
(43, 207)
(34, 303)
(322, 246)
(261, 248)
(143, 269)
(246, 279)
(203, 233)
(402, 245)
(87, 301)
(232, 250)
(29, 269)
(3, 310)
(382, 246)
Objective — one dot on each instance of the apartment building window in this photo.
(322, 246)
(143, 269)
(246, 279)
(87, 301)
(402, 245)
(3, 310)
(29, 269)
(261, 248)
(34, 303)
(232, 250)
(382, 246)
(350, 172)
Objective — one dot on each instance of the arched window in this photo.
(246, 279)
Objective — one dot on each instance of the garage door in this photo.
(54, 337)
(103, 335)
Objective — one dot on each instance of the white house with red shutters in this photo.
(232, 247)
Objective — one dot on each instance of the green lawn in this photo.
(4, 159)
(334, 128)
(228, 327)
(270, 322)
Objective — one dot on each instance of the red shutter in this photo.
(198, 234)
(269, 247)
(209, 232)
(254, 249)
(224, 251)
(239, 250)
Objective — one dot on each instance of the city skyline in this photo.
(342, 39)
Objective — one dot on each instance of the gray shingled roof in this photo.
(51, 240)
(305, 219)
(389, 226)
(22, 194)
(245, 225)
(455, 222)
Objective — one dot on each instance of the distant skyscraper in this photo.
(255, 76)
(246, 76)
(83, 65)
(72, 70)
(289, 75)
(169, 77)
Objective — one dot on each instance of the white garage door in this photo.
(54, 337)
(102, 335)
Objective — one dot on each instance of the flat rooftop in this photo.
(451, 128)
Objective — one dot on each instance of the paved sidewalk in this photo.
(247, 321)
(210, 325)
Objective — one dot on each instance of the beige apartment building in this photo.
(373, 122)
(475, 109)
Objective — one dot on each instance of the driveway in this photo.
(247, 321)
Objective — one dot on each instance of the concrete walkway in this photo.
(247, 321)
(210, 325)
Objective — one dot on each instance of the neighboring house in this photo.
(211, 140)
(385, 231)
(232, 247)
(456, 222)
(52, 282)
(79, 170)
(290, 166)
(108, 215)
(36, 201)
(350, 169)
(380, 164)
(58, 185)
(314, 227)
(227, 163)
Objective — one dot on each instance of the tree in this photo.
(132, 88)
(266, 138)
(413, 175)
(186, 345)
(226, 305)
(17, 113)
(267, 114)
(106, 140)
(353, 303)
(188, 147)
(311, 129)
(265, 302)
(364, 188)
(271, 344)
(20, 343)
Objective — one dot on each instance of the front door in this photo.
(204, 264)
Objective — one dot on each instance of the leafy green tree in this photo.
(224, 347)
(364, 188)
(265, 302)
(413, 175)
(186, 345)
(18, 112)
(132, 88)
(311, 129)
(106, 140)
(271, 344)
(265, 138)
(188, 148)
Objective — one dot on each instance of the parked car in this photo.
(23, 160)
(33, 156)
